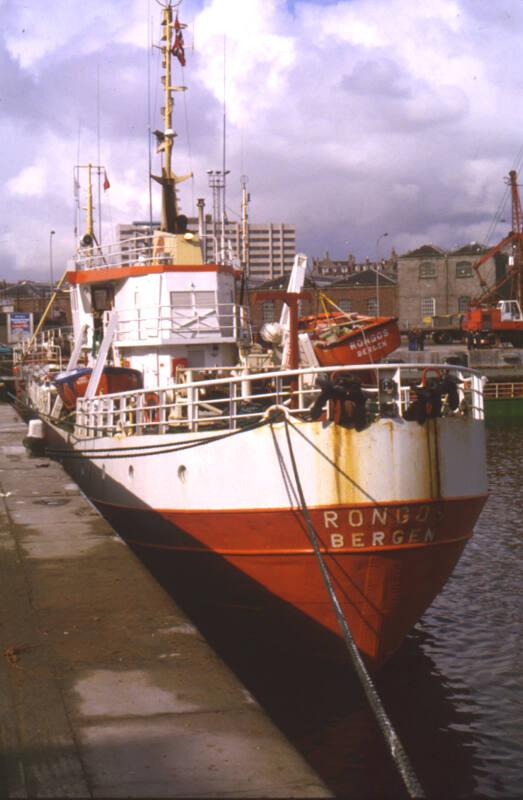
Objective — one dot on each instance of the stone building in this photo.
(333, 268)
(434, 282)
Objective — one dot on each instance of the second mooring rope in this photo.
(397, 751)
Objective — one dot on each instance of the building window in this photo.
(345, 305)
(463, 269)
(463, 304)
(427, 270)
(372, 307)
(428, 306)
(268, 311)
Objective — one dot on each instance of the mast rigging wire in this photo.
(188, 139)
(149, 127)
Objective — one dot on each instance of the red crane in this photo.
(491, 318)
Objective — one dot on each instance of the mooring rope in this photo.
(338, 469)
(140, 451)
(395, 746)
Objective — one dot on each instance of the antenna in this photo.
(98, 152)
(224, 132)
(245, 224)
(217, 184)
(149, 129)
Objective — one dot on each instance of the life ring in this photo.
(437, 373)
(151, 411)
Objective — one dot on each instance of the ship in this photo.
(195, 445)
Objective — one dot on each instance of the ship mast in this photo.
(171, 45)
(517, 247)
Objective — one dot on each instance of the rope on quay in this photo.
(397, 751)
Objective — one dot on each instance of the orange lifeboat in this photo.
(73, 384)
(339, 338)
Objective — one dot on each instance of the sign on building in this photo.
(19, 326)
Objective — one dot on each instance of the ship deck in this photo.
(106, 688)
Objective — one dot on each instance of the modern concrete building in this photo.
(271, 247)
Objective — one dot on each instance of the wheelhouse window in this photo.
(427, 270)
(193, 311)
(193, 299)
(428, 306)
(102, 298)
(463, 269)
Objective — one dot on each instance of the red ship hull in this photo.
(387, 563)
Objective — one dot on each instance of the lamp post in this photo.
(382, 236)
(51, 234)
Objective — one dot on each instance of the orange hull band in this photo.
(387, 563)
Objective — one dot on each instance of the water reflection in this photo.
(454, 691)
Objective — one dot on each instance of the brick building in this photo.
(370, 292)
(33, 297)
(361, 292)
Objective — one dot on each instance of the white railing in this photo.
(174, 323)
(135, 250)
(50, 346)
(40, 353)
(503, 391)
(243, 397)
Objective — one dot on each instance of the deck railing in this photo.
(51, 345)
(135, 250)
(234, 398)
(503, 391)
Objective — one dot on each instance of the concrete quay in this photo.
(106, 689)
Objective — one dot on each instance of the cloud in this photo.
(349, 118)
(30, 181)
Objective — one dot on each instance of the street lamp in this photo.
(51, 234)
(382, 236)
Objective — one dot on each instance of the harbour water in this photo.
(454, 692)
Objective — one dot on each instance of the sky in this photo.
(349, 119)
